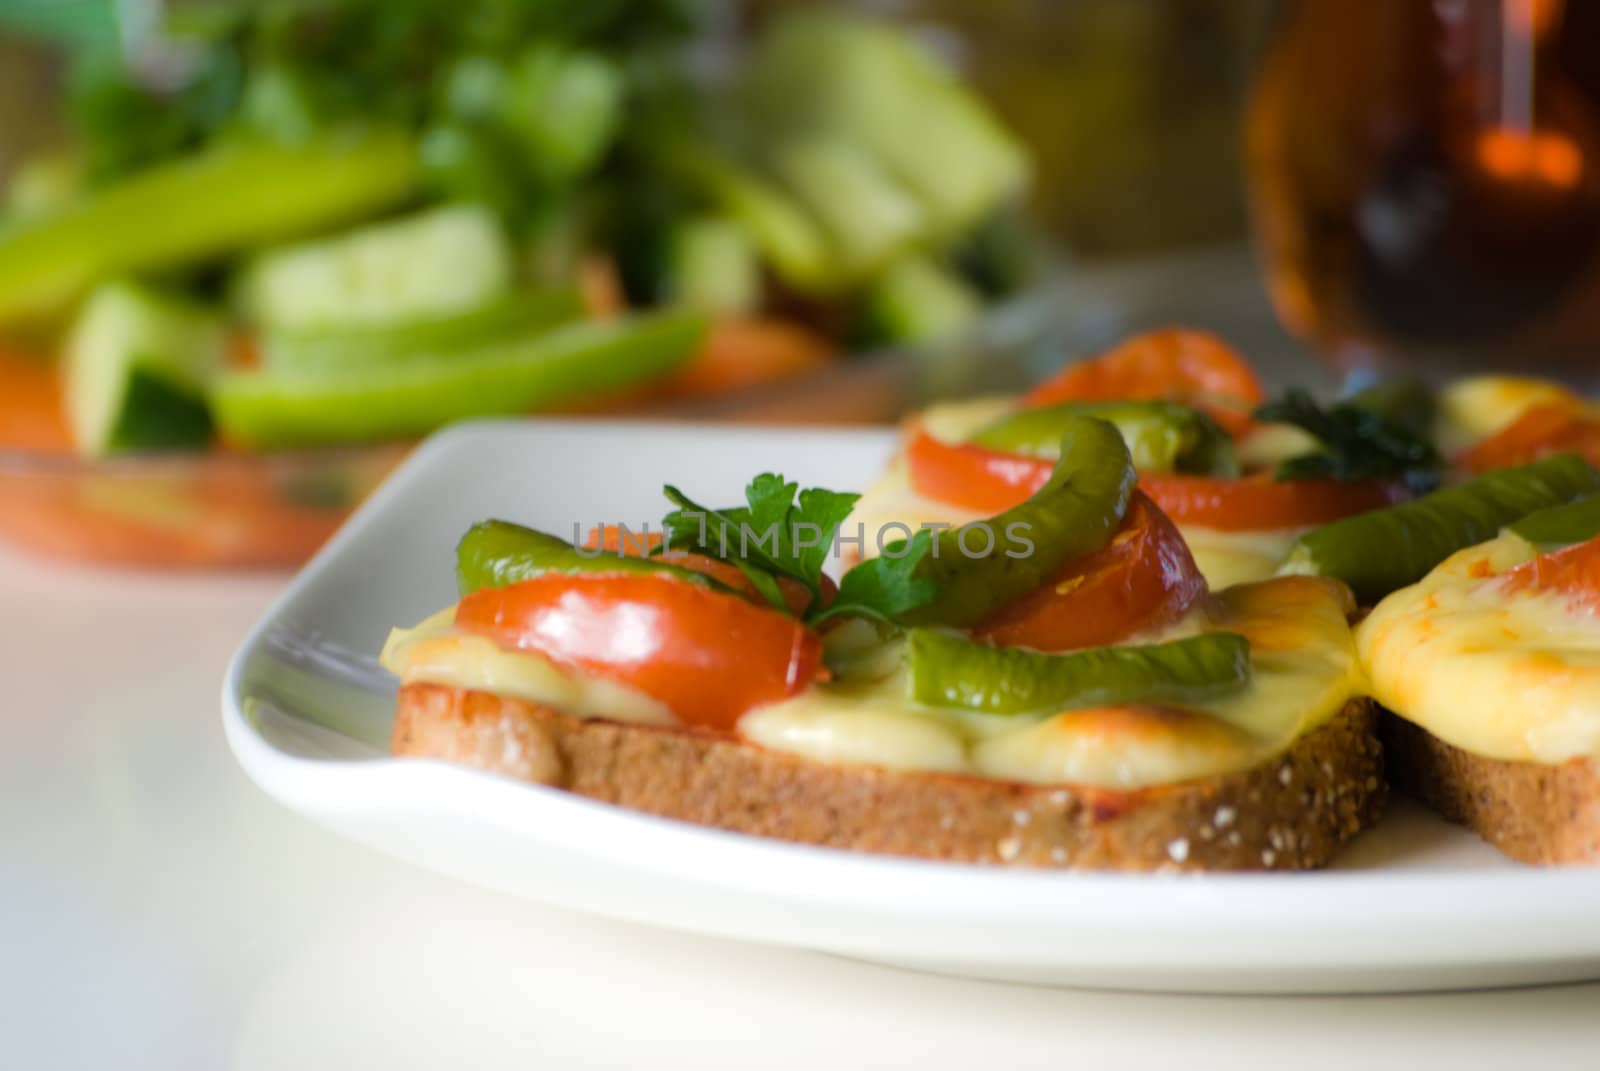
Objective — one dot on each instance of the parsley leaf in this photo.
(783, 532)
(771, 536)
(1358, 443)
(887, 586)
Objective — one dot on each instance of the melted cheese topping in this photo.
(1229, 558)
(435, 653)
(1305, 670)
(1477, 407)
(1511, 677)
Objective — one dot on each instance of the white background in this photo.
(156, 910)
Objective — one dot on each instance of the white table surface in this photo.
(156, 910)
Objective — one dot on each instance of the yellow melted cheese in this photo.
(435, 653)
(1510, 677)
(1304, 670)
(1475, 408)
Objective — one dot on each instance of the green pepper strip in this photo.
(949, 671)
(1384, 550)
(1561, 526)
(982, 567)
(495, 553)
(1161, 436)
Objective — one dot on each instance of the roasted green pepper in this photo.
(1561, 526)
(495, 553)
(949, 671)
(1381, 551)
(986, 565)
(1161, 436)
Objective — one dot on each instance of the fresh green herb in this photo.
(1358, 443)
(783, 532)
(885, 587)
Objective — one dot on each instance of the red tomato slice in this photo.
(708, 656)
(1191, 367)
(1551, 428)
(983, 480)
(639, 544)
(1258, 503)
(1572, 571)
(971, 476)
(1144, 578)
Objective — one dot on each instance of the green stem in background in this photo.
(320, 350)
(199, 208)
(277, 409)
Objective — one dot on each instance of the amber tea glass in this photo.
(1425, 182)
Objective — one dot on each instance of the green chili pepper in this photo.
(1561, 526)
(495, 553)
(988, 564)
(1381, 551)
(1161, 436)
(949, 671)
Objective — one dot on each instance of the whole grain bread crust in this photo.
(1533, 812)
(1292, 812)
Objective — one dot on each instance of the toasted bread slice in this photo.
(1293, 812)
(1533, 812)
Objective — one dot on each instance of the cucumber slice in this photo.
(195, 209)
(918, 301)
(332, 349)
(789, 237)
(271, 409)
(868, 216)
(712, 265)
(440, 261)
(867, 82)
(137, 366)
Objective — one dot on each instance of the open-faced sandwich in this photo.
(1240, 478)
(1491, 664)
(1052, 685)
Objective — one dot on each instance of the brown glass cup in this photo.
(1425, 183)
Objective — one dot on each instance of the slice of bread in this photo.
(1533, 812)
(1293, 812)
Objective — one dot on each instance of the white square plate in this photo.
(1414, 904)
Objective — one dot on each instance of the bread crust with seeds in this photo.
(1533, 812)
(1293, 812)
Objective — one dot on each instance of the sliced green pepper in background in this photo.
(495, 553)
(1561, 526)
(1161, 436)
(949, 671)
(332, 349)
(1384, 550)
(1077, 511)
(198, 208)
(582, 360)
